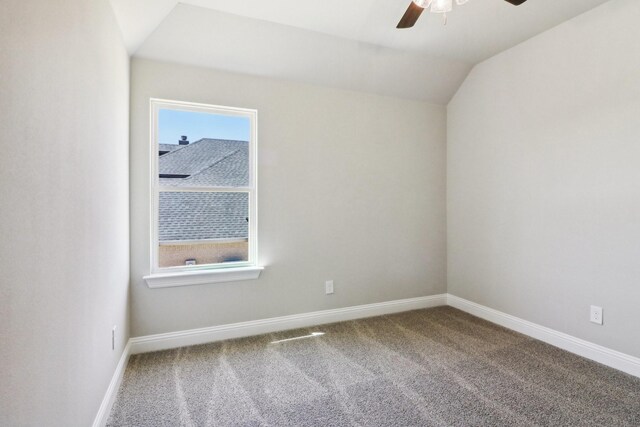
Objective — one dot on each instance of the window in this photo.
(203, 188)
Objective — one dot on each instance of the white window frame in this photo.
(206, 273)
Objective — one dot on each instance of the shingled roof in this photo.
(204, 215)
(207, 162)
(164, 148)
(198, 216)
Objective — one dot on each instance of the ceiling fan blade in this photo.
(410, 16)
(515, 2)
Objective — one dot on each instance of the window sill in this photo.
(202, 277)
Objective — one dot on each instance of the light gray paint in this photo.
(544, 179)
(64, 251)
(137, 19)
(351, 188)
(476, 30)
(207, 38)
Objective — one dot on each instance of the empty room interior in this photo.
(334, 213)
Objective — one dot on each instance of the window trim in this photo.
(202, 277)
(210, 273)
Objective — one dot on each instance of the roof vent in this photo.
(183, 140)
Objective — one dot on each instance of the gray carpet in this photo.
(435, 367)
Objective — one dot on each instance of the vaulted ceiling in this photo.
(346, 44)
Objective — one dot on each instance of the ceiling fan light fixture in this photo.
(416, 7)
(422, 3)
(441, 6)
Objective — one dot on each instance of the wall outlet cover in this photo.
(596, 315)
(328, 287)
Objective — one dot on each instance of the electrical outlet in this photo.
(328, 287)
(596, 315)
(113, 337)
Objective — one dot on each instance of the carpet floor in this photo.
(433, 367)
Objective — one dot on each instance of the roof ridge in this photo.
(222, 140)
(180, 147)
(212, 165)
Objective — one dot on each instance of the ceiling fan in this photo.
(416, 7)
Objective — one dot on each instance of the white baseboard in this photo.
(614, 359)
(243, 329)
(112, 390)
(611, 358)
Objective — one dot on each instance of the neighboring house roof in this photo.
(168, 147)
(207, 162)
(202, 215)
(199, 216)
(230, 171)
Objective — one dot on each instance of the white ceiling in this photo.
(349, 44)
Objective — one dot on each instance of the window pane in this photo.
(202, 228)
(203, 149)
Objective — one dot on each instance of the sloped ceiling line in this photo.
(344, 44)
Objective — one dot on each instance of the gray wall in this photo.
(64, 252)
(544, 179)
(351, 188)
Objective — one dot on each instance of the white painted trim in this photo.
(202, 277)
(202, 189)
(614, 359)
(243, 329)
(201, 242)
(155, 105)
(112, 391)
(611, 358)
